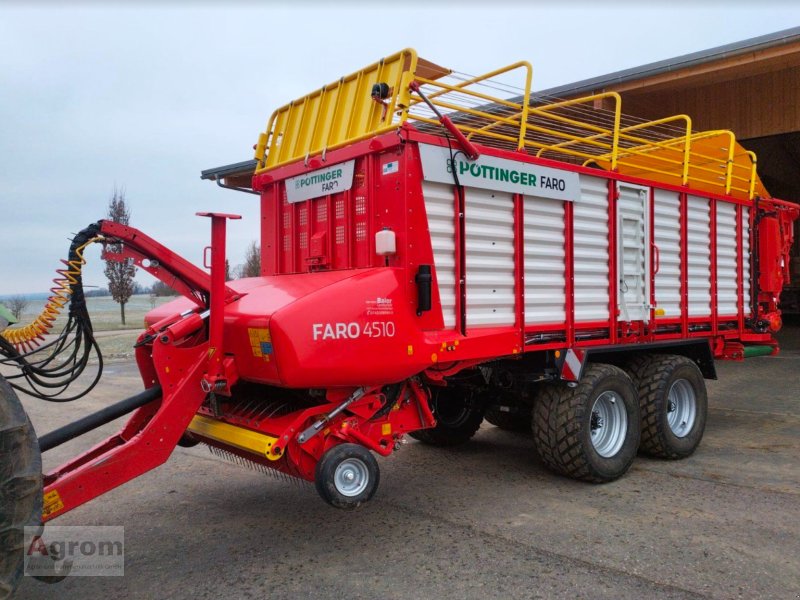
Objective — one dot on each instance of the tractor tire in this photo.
(519, 421)
(589, 432)
(673, 402)
(458, 418)
(347, 476)
(20, 486)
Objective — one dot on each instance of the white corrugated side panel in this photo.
(727, 276)
(667, 237)
(545, 299)
(440, 206)
(590, 235)
(698, 233)
(489, 242)
(746, 258)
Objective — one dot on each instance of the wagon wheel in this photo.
(674, 404)
(590, 432)
(458, 413)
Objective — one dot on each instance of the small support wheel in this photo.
(346, 476)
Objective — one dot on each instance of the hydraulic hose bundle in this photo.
(50, 367)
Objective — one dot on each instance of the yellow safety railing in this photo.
(340, 113)
(591, 130)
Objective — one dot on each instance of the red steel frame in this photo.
(614, 331)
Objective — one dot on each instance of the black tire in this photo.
(564, 421)
(458, 416)
(20, 486)
(656, 376)
(336, 488)
(187, 440)
(519, 420)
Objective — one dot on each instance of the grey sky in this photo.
(144, 98)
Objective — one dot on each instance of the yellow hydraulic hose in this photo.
(29, 336)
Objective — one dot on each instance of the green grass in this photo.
(104, 312)
(118, 346)
(115, 339)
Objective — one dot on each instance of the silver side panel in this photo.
(489, 243)
(440, 206)
(698, 226)
(591, 250)
(727, 275)
(545, 288)
(667, 237)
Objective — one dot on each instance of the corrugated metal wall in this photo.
(440, 206)
(491, 291)
(667, 237)
(545, 284)
(727, 277)
(746, 254)
(698, 251)
(489, 246)
(591, 250)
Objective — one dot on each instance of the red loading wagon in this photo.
(437, 249)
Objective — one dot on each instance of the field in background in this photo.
(115, 340)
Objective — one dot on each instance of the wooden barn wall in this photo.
(755, 106)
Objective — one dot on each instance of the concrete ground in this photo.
(483, 520)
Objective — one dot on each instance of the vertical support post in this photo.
(740, 299)
(654, 264)
(729, 163)
(519, 264)
(215, 375)
(461, 257)
(569, 271)
(294, 238)
(684, 203)
(712, 232)
(615, 138)
(526, 99)
(613, 304)
(687, 151)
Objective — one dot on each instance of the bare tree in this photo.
(252, 261)
(161, 289)
(120, 274)
(17, 305)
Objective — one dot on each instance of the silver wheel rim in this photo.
(681, 408)
(609, 424)
(351, 477)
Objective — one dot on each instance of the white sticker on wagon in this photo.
(500, 174)
(330, 180)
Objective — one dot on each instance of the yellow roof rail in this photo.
(489, 111)
(342, 112)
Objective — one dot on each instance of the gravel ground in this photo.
(483, 520)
